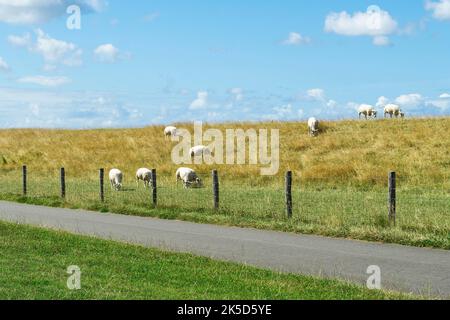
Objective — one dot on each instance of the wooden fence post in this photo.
(288, 190)
(154, 188)
(24, 180)
(392, 198)
(102, 185)
(215, 176)
(63, 183)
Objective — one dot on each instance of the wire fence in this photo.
(279, 200)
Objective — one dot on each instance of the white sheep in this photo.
(199, 151)
(170, 132)
(116, 179)
(313, 126)
(367, 110)
(393, 110)
(189, 178)
(144, 175)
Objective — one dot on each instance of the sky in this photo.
(137, 63)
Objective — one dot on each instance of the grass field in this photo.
(340, 178)
(33, 265)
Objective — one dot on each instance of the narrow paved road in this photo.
(407, 269)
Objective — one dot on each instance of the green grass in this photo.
(33, 264)
(423, 217)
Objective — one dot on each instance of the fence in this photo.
(268, 204)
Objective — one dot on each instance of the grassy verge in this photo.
(33, 265)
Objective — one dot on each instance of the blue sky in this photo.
(136, 63)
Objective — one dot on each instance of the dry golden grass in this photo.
(356, 153)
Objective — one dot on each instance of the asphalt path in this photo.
(406, 269)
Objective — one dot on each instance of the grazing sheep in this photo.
(199, 151)
(393, 110)
(116, 178)
(367, 111)
(144, 175)
(313, 127)
(189, 178)
(170, 132)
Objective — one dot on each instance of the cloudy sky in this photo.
(135, 63)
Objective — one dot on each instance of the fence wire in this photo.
(314, 203)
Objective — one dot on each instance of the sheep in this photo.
(367, 111)
(393, 110)
(144, 175)
(189, 178)
(116, 178)
(313, 127)
(199, 151)
(170, 132)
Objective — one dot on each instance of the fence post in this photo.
(24, 180)
(102, 185)
(63, 183)
(288, 190)
(392, 198)
(215, 176)
(154, 188)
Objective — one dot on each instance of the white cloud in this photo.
(316, 94)
(45, 81)
(20, 41)
(295, 38)
(284, 112)
(41, 11)
(57, 51)
(381, 41)
(412, 100)
(319, 95)
(375, 23)
(48, 108)
(35, 109)
(107, 53)
(332, 104)
(440, 9)
(201, 101)
(442, 104)
(53, 51)
(353, 105)
(151, 17)
(238, 94)
(417, 104)
(382, 102)
(3, 65)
